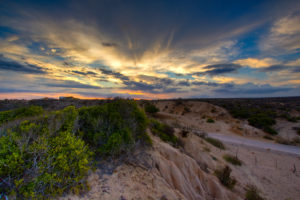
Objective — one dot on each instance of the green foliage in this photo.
(114, 127)
(261, 120)
(164, 131)
(270, 130)
(288, 117)
(67, 118)
(232, 159)
(10, 115)
(46, 155)
(261, 116)
(187, 109)
(209, 120)
(150, 108)
(215, 142)
(252, 193)
(42, 158)
(224, 177)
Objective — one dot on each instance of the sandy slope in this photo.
(188, 172)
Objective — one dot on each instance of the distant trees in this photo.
(10, 115)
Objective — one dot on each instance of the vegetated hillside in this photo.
(277, 118)
(111, 149)
(44, 154)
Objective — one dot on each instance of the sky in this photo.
(149, 49)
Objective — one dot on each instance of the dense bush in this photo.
(209, 120)
(270, 130)
(47, 154)
(10, 115)
(114, 127)
(42, 158)
(224, 177)
(164, 131)
(232, 159)
(261, 120)
(215, 142)
(150, 108)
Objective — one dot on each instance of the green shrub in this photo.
(37, 163)
(224, 177)
(209, 120)
(10, 115)
(150, 108)
(270, 130)
(187, 109)
(215, 142)
(164, 131)
(252, 193)
(114, 127)
(232, 159)
(261, 120)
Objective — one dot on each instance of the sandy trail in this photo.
(234, 139)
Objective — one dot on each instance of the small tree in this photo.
(150, 108)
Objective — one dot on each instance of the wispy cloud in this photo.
(284, 34)
(124, 48)
(10, 65)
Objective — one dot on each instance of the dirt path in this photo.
(233, 139)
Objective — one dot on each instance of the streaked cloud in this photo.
(10, 65)
(284, 34)
(103, 48)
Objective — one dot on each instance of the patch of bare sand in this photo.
(277, 175)
(194, 115)
(285, 129)
(128, 183)
(174, 175)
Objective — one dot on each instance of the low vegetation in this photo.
(260, 113)
(163, 131)
(232, 159)
(209, 120)
(150, 108)
(113, 128)
(50, 154)
(225, 178)
(252, 193)
(10, 115)
(42, 158)
(215, 142)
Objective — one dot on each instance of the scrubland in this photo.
(126, 149)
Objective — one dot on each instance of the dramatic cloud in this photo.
(284, 35)
(71, 84)
(251, 89)
(7, 64)
(149, 49)
(218, 69)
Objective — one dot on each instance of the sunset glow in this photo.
(149, 49)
